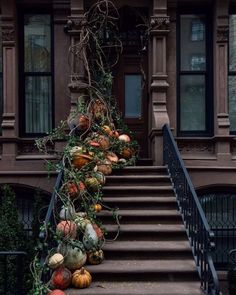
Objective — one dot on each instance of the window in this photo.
(194, 107)
(1, 81)
(133, 96)
(37, 74)
(232, 73)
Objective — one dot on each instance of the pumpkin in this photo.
(124, 137)
(76, 150)
(98, 231)
(56, 292)
(95, 257)
(106, 129)
(94, 143)
(97, 208)
(98, 109)
(92, 184)
(61, 278)
(90, 238)
(114, 133)
(67, 213)
(74, 257)
(79, 160)
(127, 153)
(72, 189)
(67, 229)
(104, 142)
(104, 167)
(81, 278)
(100, 177)
(112, 157)
(78, 121)
(55, 260)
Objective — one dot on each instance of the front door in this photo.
(130, 90)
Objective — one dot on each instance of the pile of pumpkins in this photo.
(80, 238)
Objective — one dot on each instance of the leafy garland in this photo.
(98, 141)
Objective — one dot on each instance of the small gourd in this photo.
(95, 257)
(97, 208)
(81, 222)
(92, 184)
(124, 137)
(55, 260)
(81, 278)
(90, 238)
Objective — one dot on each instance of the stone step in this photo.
(153, 270)
(142, 170)
(145, 232)
(148, 250)
(146, 202)
(139, 288)
(144, 216)
(140, 180)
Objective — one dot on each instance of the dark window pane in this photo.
(38, 105)
(232, 43)
(37, 43)
(232, 102)
(192, 41)
(133, 93)
(192, 103)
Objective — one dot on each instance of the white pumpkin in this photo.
(55, 260)
(67, 213)
(74, 258)
(76, 150)
(90, 238)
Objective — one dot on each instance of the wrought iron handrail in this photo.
(19, 273)
(198, 230)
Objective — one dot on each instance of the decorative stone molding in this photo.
(74, 25)
(196, 147)
(160, 23)
(26, 148)
(8, 35)
(222, 34)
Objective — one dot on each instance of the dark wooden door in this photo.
(130, 90)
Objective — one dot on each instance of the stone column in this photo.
(73, 28)
(10, 73)
(222, 123)
(157, 62)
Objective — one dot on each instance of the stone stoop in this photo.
(152, 255)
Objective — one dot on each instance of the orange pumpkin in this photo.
(97, 208)
(79, 160)
(114, 133)
(127, 153)
(81, 278)
(67, 228)
(112, 157)
(104, 142)
(61, 278)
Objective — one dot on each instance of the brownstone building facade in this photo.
(189, 63)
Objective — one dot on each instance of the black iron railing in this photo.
(220, 212)
(12, 272)
(198, 230)
(49, 221)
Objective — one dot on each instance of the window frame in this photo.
(1, 74)
(22, 74)
(207, 73)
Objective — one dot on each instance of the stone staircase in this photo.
(152, 253)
